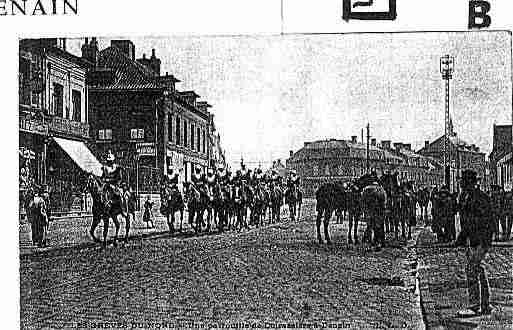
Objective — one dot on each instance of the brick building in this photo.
(328, 160)
(53, 119)
(500, 157)
(136, 112)
(462, 155)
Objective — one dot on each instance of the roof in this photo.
(341, 148)
(129, 74)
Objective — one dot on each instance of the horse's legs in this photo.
(355, 234)
(327, 217)
(350, 221)
(94, 224)
(181, 219)
(116, 223)
(106, 221)
(127, 226)
(318, 224)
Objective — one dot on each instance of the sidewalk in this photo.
(74, 231)
(443, 285)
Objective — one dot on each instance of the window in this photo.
(178, 131)
(137, 134)
(170, 128)
(58, 100)
(24, 76)
(77, 105)
(185, 137)
(203, 141)
(105, 134)
(193, 145)
(198, 143)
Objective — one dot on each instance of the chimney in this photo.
(90, 51)
(354, 139)
(126, 46)
(426, 143)
(373, 142)
(386, 144)
(155, 62)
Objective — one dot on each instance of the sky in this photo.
(270, 94)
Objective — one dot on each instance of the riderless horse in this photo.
(106, 206)
(330, 197)
(276, 201)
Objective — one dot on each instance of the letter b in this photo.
(479, 9)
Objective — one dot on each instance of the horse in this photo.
(197, 202)
(329, 197)
(220, 204)
(276, 201)
(258, 205)
(423, 199)
(293, 198)
(373, 202)
(392, 218)
(240, 202)
(354, 211)
(105, 207)
(171, 202)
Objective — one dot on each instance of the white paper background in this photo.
(171, 17)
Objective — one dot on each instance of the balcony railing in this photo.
(54, 125)
(68, 127)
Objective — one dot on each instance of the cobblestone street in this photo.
(259, 277)
(444, 287)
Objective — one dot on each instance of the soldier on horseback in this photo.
(112, 178)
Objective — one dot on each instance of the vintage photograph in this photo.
(286, 181)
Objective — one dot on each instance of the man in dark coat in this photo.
(476, 234)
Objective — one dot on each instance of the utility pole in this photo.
(447, 69)
(368, 146)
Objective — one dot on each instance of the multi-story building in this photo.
(217, 157)
(138, 114)
(500, 157)
(53, 116)
(461, 155)
(345, 160)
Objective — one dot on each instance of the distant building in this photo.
(136, 112)
(345, 160)
(54, 122)
(502, 146)
(462, 156)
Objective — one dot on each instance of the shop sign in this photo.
(33, 126)
(145, 149)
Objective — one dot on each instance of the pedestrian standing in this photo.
(476, 213)
(148, 213)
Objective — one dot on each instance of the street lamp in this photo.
(447, 69)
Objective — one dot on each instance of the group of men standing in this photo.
(478, 221)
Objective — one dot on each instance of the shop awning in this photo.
(81, 155)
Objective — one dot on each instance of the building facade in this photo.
(138, 114)
(53, 121)
(500, 157)
(461, 155)
(345, 160)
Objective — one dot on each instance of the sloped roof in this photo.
(331, 149)
(129, 74)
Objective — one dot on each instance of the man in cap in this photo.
(476, 235)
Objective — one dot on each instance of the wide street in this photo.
(269, 277)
